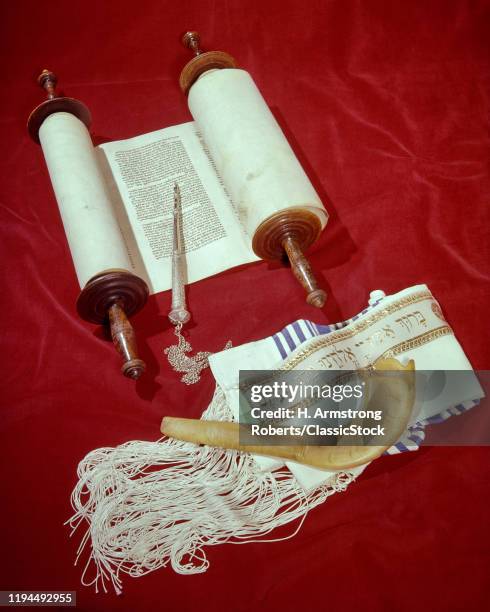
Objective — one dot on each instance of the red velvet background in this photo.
(386, 104)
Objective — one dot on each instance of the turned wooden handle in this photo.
(54, 104)
(202, 61)
(116, 295)
(124, 340)
(192, 40)
(302, 271)
(48, 80)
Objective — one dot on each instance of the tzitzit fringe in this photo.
(147, 504)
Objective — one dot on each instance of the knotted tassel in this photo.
(146, 505)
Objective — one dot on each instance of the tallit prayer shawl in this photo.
(146, 505)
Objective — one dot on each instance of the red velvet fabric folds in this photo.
(386, 104)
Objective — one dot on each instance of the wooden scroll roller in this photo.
(277, 203)
(110, 292)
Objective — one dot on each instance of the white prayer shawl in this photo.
(148, 504)
(408, 324)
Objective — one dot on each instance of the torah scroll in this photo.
(110, 291)
(277, 204)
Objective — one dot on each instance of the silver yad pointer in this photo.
(179, 315)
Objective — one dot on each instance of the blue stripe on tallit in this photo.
(416, 439)
(287, 336)
(309, 325)
(282, 350)
(299, 331)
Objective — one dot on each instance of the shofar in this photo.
(395, 397)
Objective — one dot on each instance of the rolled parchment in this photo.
(253, 157)
(110, 292)
(277, 205)
(90, 225)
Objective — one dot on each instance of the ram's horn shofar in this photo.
(394, 397)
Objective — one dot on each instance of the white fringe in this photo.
(145, 504)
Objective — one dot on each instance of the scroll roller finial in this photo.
(54, 103)
(202, 61)
(191, 40)
(48, 80)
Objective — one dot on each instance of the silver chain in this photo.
(180, 362)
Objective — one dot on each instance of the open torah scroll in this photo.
(244, 196)
(124, 189)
